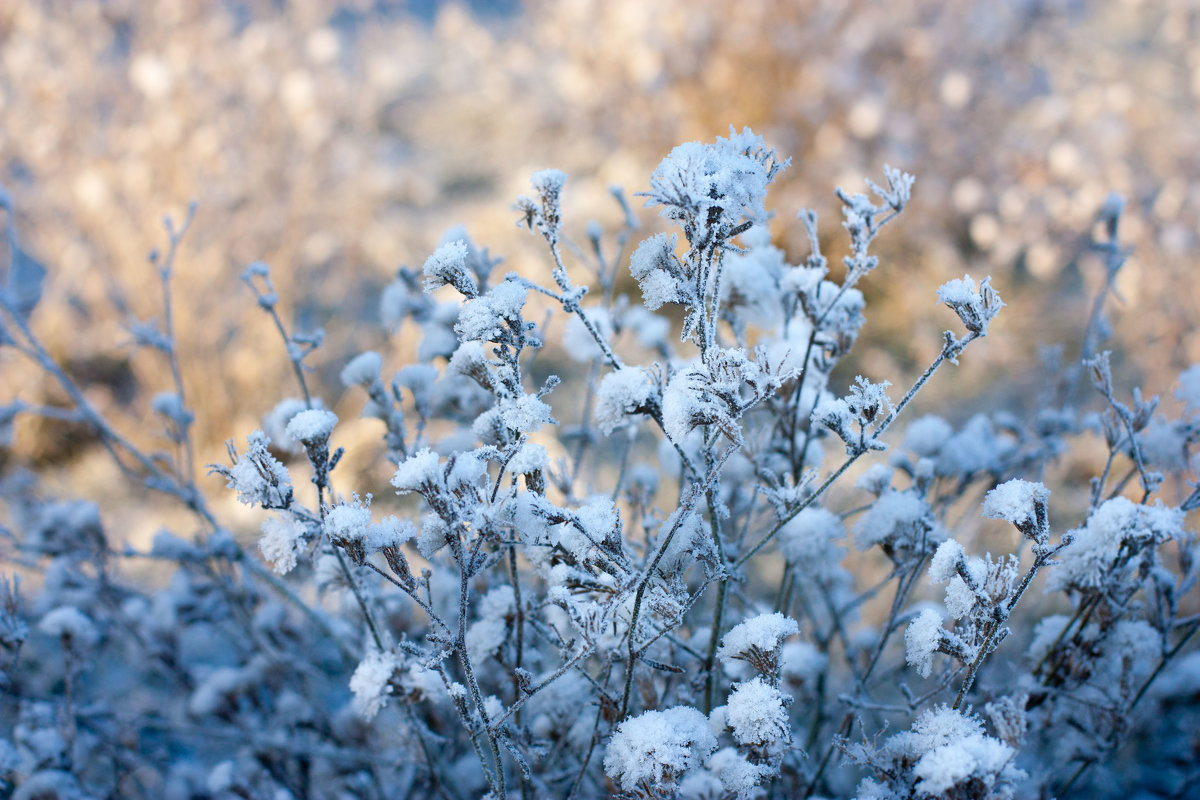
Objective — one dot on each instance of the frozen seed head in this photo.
(448, 267)
(975, 305)
(312, 426)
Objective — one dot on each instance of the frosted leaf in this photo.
(363, 369)
(922, 638)
(756, 713)
(371, 682)
(69, 622)
(1014, 501)
(1188, 391)
(281, 542)
(312, 425)
(622, 392)
(417, 472)
(657, 747)
(764, 634)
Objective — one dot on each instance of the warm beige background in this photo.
(336, 144)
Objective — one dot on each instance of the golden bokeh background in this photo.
(338, 140)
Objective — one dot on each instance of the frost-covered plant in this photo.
(630, 579)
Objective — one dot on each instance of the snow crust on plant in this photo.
(281, 542)
(1117, 525)
(69, 622)
(765, 633)
(756, 713)
(312, 425)
(363, 369)
(622, 392)
(657, 747)
(1014, 500)
(1188, 390)
(417, 472)
(922, 638)
(371, 682)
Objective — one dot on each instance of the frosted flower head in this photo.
(70, 624)
(418, 473)
(622, 393)
(975, 306)
(757, 713)
(545, 213)
(1022, 503)
(655, 748)
(710, 188)
(448, 267)
(256, 475)
(757, 641)
(312, 427)
(363, 369)
(1188, 390)
(923, 638)
(371, 683)
(282, 542)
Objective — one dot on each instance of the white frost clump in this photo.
(1118, 528)
(1189, 387)
(348, 522)
(927, 435)
(529, 457)
(1014, 500)
(416, 472)
(945, 751)
(945, 562)
(756, 713)
(312, 425)
(363, 369)
(657, 747)
(68, 621)
(488, 634)
(526, 414)
(371, 682)
(281, 542)
(975, 306)
(257, 476)
(448, 267)
(763, 633)
(655, 265)
(621, 393)
(808, 540)
(922, 639)
(893, 514)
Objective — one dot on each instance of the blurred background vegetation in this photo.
(337, 141)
